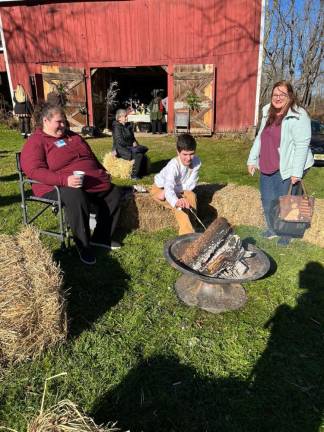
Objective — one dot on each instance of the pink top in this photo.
(269, 153)
(52, 160)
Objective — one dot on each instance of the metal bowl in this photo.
(258, 264)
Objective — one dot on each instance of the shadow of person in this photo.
(205, 194)
(92, 290)
(287, 380)
(155, 167)
(160, 395)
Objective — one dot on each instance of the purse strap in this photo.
(303, 188)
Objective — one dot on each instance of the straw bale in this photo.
(66, 416)
(240, 205)
(140, 211)
(118, 167)
(32, 309)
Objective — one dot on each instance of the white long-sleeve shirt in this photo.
(175, 178)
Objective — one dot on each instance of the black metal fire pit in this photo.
(213, 294)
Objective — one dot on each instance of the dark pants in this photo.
(272, 186)
(139, 167)
(24, 125)
(156, 126)
(78, 204)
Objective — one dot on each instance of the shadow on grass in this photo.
(283, 392)
(92, 290)
(156, 166)
(9, 199)
(10, 177)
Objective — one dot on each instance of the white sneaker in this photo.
(139, 188)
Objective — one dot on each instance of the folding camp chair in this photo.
(63, 232)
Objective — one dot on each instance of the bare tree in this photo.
(293, 46)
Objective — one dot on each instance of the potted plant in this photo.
(193, 101)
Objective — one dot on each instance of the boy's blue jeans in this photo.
(272, 186)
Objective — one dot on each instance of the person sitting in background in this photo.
(23, 110)
(125, 145)
(51, 156)
(173, 186)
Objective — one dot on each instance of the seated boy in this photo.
(173, 186)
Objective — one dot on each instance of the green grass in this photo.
(137, 355)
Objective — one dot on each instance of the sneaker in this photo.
(112, 246)
(86, 255)
(268, 234)
(139, 188)
(284, 241)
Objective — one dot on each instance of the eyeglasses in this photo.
(279, 96)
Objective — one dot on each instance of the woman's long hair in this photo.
(293, 102)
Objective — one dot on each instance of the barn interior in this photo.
(135, 86)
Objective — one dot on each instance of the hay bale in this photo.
(118, 167)
(140, 211)
(66, 416)
(32, 309)
(240, 205)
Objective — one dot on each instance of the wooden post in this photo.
(170, 99)
(89, 96)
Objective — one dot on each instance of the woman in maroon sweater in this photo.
(50, 156)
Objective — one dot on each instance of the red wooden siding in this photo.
(2, 63)
(144, 32)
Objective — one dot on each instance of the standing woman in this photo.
(23, 110)
(281, 150)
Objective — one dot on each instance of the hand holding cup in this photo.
(77, 179)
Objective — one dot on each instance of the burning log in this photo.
(217, 252)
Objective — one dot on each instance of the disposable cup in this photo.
(81, 175)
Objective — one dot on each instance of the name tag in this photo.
(60, 143)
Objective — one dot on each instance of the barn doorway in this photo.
(135, 86)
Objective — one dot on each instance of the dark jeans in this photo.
(140, 165)
(24, 125)
(78, 204)
(156, 126)
(272, 186)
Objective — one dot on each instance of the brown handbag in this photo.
(296, 208)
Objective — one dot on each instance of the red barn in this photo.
(207, 47)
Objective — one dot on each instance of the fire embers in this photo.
(218, 252)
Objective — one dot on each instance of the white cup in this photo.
(81, 175)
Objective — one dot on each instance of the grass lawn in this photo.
(138, 356)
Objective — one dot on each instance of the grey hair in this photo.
(47, 110)
(120, 112)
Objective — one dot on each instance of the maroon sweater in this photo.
(51, 161)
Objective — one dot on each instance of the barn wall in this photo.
(144, 32)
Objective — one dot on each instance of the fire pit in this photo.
(213, 294)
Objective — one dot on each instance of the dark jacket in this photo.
(51, 161)
(24, 109)
(123, 139)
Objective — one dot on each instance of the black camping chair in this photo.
(63, 231)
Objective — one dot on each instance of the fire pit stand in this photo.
(212, 294)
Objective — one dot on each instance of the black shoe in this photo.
(86, 255)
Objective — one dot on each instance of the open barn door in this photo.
(197, 79)
(72, 82)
